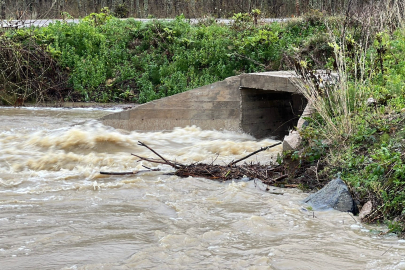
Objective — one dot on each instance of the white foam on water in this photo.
(58, 212)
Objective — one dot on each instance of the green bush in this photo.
(108, 58)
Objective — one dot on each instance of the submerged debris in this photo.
(268, 174)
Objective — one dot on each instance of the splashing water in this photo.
(58, 212)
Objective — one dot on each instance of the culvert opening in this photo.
(267, 113)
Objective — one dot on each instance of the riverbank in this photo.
(357, 128)
(45, 22)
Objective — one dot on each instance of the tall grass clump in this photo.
(359, 118)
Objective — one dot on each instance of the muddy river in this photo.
(58, 212)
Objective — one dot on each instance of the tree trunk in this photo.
(61, 8)
(131, 8)
(80, 4)
(138, 9)
(114, 4)
(35, 9)
(177, 8)
(2, 10)
(192, 9)
(85, 8)
(169, 8)
(146, 7)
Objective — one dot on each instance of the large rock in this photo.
(334, 195)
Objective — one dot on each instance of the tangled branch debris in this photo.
(267, 174)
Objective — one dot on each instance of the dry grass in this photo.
(336, 101)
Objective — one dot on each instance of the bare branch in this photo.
(254, 153)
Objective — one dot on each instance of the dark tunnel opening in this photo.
(272, 114)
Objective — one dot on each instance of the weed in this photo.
(363, 141)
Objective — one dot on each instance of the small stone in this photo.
(292, 141)
(371, 101)
(366, 209)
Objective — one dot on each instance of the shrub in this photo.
(108, 58)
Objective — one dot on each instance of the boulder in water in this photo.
(334, 195)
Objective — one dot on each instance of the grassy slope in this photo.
(113, 60)
(364, 141)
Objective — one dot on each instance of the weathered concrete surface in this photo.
(292, 141)
(272, 80)
(308, 111)
(215, 106)
(236, 104)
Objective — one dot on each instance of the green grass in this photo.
(366, 143)
(125, 60)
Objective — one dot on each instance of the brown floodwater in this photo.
(58, 212)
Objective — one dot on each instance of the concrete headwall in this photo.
(261, 104)
(214, 106)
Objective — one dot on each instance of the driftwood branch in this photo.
(117, 173)
(267, 174)
(128, 173)
(150, 159)
(254, 153)
(274, 180)
(168, 162)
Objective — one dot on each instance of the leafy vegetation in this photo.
(125, 60)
